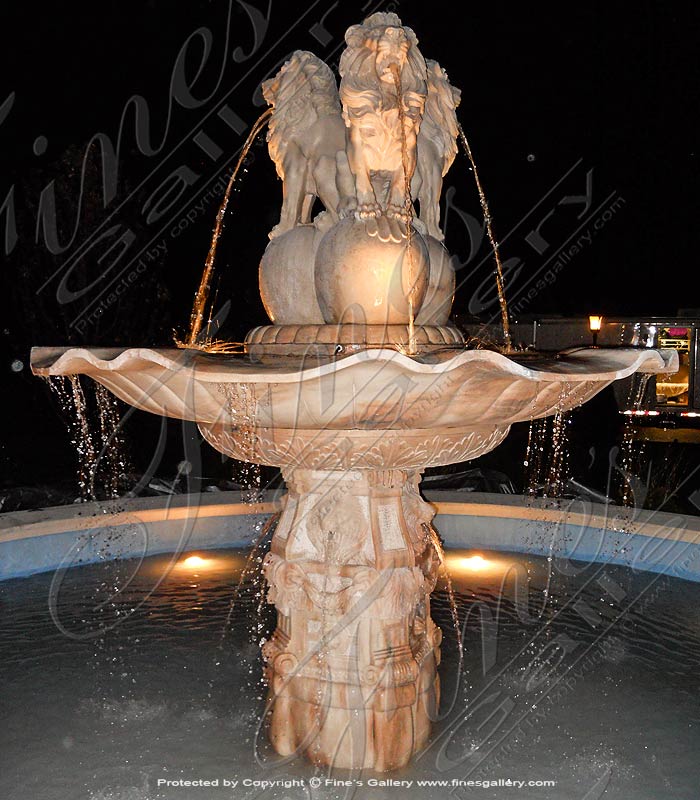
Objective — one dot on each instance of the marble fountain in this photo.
(357, 386)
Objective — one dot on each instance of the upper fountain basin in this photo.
(369, 390)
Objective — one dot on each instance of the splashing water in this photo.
(547, 455)
(240, 402)
(631, 456)
(408, 209)
(253, 561)
(72, 401)
(250, 581)
(492, 239)
(201, 298)
(112, 456)
(533, 457)
(439, 551)
(559, 461)
(102, 459)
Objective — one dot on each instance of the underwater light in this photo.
(193, 565)
(474, 563)
(194, 562)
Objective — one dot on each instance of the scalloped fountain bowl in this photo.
(371, 410)
(353, 560)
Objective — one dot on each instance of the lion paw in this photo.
(368, 211)
(347, 208)
(398, 212)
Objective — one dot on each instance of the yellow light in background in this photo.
(594, 323)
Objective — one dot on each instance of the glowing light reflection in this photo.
(195, 565)
(474, 563)
(459, 564)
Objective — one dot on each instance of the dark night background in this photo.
(607, 90)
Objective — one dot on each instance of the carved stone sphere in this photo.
(437, 305)
(287, 277)
(361, 278)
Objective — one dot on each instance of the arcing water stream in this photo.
(408, 209)
(201, 298)
(492, 239)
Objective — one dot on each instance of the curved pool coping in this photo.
(61, 536)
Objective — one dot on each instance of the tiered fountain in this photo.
(358, 385)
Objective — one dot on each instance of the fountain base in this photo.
(352, 665)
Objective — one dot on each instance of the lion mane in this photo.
(437, 146)
(440, 119)
(301, 93)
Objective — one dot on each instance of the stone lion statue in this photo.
(306, 136)
(383, 83)
(363, 170)
(437, 146)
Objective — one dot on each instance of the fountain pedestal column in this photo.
(352, 666)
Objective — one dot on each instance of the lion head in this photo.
(301, 92)
(376, 48)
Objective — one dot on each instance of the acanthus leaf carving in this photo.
(344, 450)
